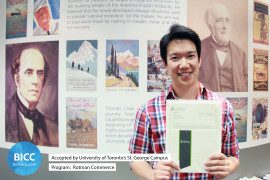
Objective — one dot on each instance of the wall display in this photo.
(259, 118)
(81, 122)
(122, 63)
(240, 107)
(16, 18)
(260, 70)
(104, 63)
(81, 65)
(157, 77)
(223, 28)
(260, 23)
(32, 93)
(46, 17)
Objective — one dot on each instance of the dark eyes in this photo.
(40, 73)
(30, 72)
(222, 20)
(175, 58)
(191, 56)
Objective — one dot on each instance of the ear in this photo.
(200, 60)
(16, 79)
(163, 62)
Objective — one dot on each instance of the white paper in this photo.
(203, 119)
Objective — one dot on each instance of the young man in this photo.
(23, 121)
(180, 50)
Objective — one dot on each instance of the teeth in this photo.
(184, 74)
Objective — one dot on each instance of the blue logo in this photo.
(24, 158)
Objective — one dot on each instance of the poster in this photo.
(81, 123)
(240, 107)
(81, 65)
(122, 64)
(46, 17)
(157, 77)
(260, 70)
(32, 93)
(223, 29)
(260, 23)
(16, 18)
(259, 118)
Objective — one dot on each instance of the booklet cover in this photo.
(193, 132)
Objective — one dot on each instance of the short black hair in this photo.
(178, 32)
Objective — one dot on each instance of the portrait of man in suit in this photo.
(24, 122)
(224, 64)
(222, 25)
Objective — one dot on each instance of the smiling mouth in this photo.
(184, 74)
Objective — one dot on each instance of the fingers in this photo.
(217, 169)
(218, 156)
(218, 165)
(219, 172)
(164, 169)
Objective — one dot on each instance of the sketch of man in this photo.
(23, 121)
(263, 29)
(224, 64)
(46, 25)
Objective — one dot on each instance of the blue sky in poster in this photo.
(74, 45)
(122, 46)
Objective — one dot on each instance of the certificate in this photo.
(193, 132)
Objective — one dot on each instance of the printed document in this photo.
(193, 132)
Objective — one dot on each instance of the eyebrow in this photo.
(189, 52)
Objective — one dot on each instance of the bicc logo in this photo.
(24, 158)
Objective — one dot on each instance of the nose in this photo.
(34, 79)
(225, 25)
(183, 63)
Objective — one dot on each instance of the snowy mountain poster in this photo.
(81, 65)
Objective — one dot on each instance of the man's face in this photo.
(43, 18)
(182, 63)
(29, 80)
(221, 27)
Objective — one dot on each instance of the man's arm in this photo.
(142, 169)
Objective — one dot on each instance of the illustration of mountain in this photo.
(126, 60)
(84, 58)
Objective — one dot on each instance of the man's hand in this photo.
(164, 169)
(220, 165)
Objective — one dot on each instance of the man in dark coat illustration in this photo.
(23, 121)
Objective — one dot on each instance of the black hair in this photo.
(179, 32)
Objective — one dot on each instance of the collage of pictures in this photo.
(33, 68)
